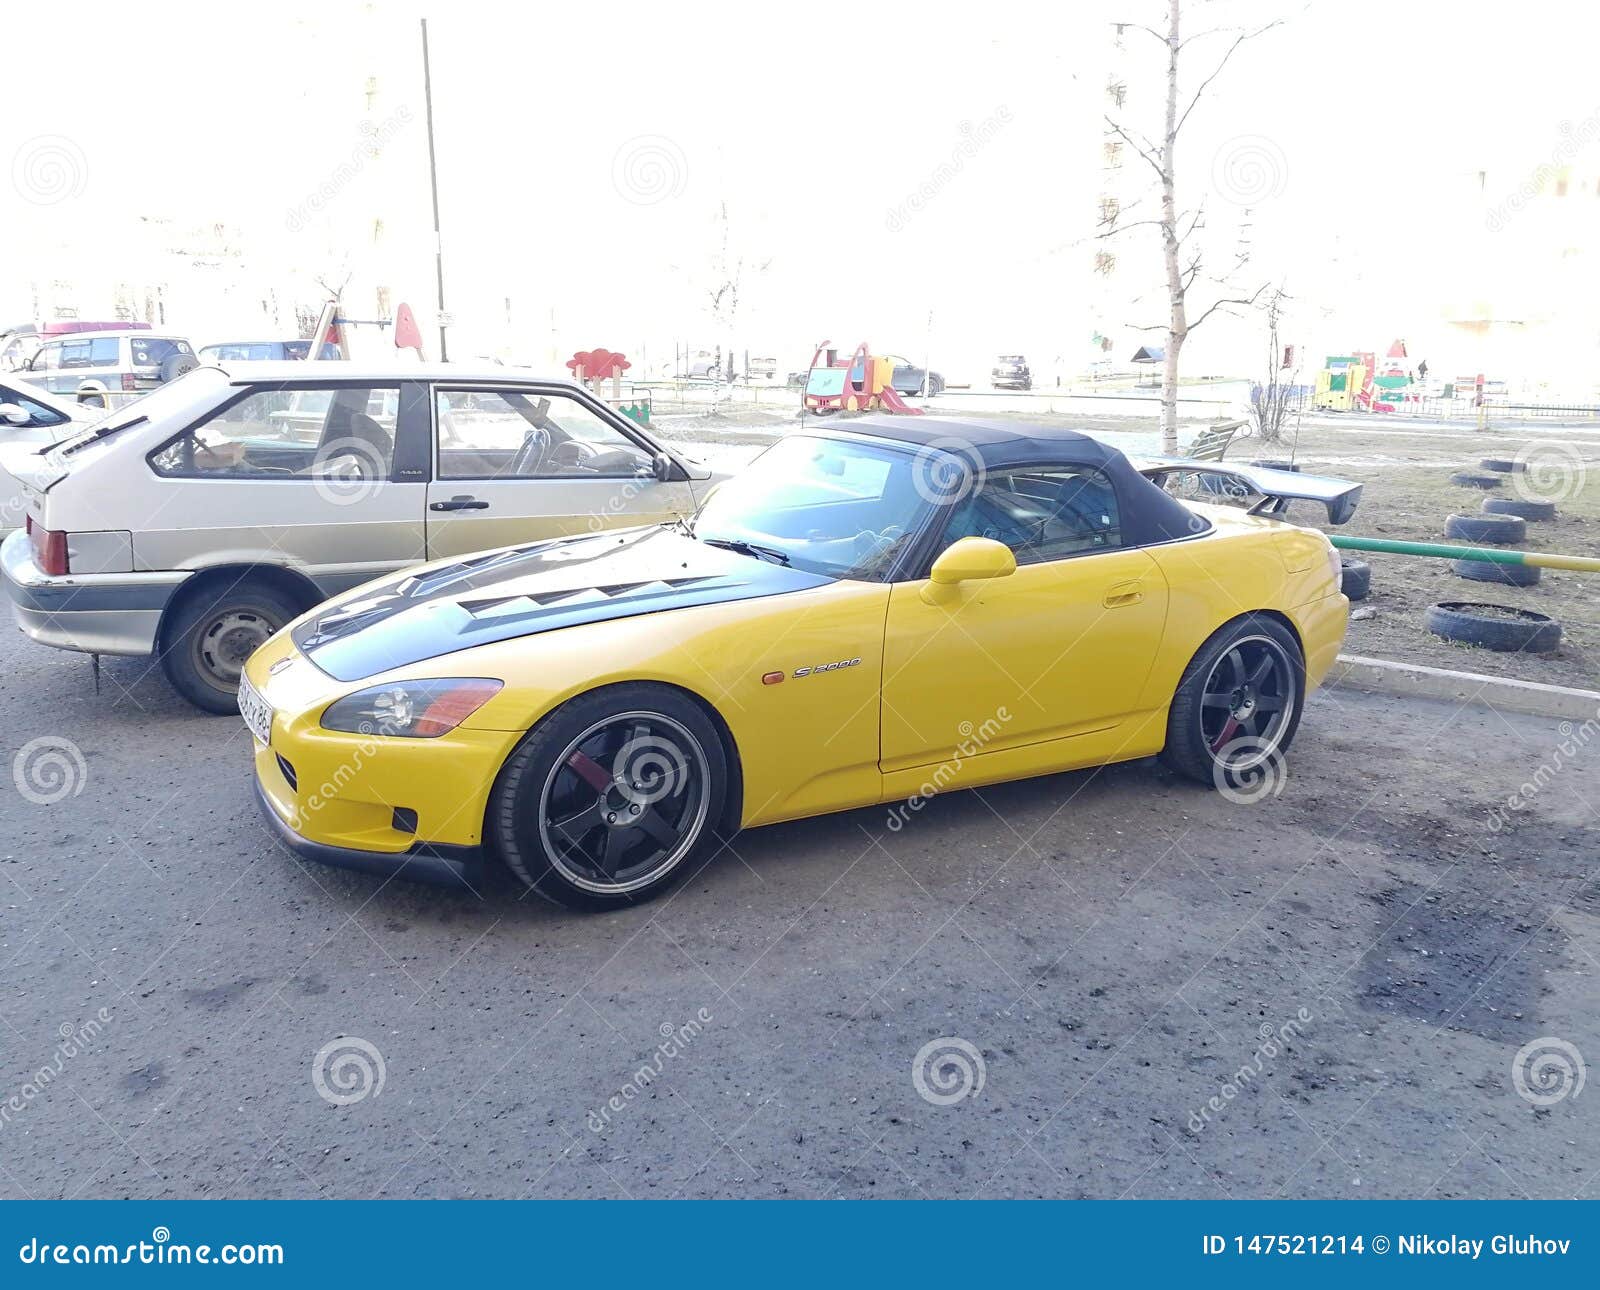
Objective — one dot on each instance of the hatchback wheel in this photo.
(1238, 705)
(210, 636)
(611, 799)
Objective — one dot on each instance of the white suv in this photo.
(195, 524)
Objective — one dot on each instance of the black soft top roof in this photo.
(1148, 513)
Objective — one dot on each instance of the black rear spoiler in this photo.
(1276, 488)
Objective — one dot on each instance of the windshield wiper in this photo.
(748, 548)
(94, 436)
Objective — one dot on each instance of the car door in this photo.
(312, 475)
(1042, 666)
(518, 463)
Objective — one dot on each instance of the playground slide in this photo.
(892, 402)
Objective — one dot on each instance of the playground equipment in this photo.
(594, 367)
(860, 385)
(1344, 383)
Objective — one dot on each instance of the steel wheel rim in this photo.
(228, 640)
(657, 782)
(1249, 695)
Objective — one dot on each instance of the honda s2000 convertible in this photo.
(863, 614)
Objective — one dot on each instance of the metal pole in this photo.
(1488, 555)
(433, 181)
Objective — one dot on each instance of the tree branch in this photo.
(1148, 154)
(1217, 71)
(1241, 300)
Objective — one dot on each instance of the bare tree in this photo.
(727, 281)
(1271, 399)
(1180, 248)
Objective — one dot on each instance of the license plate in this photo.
(256, 711)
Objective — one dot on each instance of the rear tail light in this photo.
(50, 549)
(130, 381)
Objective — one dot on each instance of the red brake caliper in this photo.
(590, 771)
(1228, 727)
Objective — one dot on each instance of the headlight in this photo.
(410, 709)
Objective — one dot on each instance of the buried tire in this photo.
(210, 635)
(1501, 465)
(1504, 575)
(1466, 479)
(1496, 627)
(1237, 706)
(1497, 529)
(611, 799)
(1356, 578)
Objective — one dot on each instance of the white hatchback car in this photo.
(30, 420)
(196, 523)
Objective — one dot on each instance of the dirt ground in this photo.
(1405, 469)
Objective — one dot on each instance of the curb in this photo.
(1380, 676)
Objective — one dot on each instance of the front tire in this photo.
(211, 634)
(612, 799)
(1238, 704)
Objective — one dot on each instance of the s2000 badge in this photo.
(825, 667)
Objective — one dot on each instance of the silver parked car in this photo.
(30, 420)
(105, 369)
(196, 524)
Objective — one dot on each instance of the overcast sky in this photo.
(877, 164)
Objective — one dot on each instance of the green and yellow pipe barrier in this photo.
(1446, 551)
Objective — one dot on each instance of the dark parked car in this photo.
(264, 351)
(1010, 372)
(907, 378)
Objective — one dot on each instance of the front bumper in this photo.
(442, 866)
(97, 613)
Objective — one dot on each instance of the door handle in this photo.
(1122, 593)
(461, 503)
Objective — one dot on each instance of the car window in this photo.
(1043, 514)
(38, 413)
(154, 351)
(85, 353)
(314, 434)
(529, 434)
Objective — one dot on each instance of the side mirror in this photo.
(969, 559)
(15, 414)
(664, 468)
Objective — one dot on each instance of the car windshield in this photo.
(829, 506)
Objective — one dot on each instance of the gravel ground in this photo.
(1166, 994)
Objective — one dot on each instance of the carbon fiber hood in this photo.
(521, 591)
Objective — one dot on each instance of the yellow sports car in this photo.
(870, 614)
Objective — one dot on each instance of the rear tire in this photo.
(1227, 744)
(209, 636)
(631, 776)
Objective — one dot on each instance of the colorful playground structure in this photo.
(594, 367)
(1359, 382)
(860, 385)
